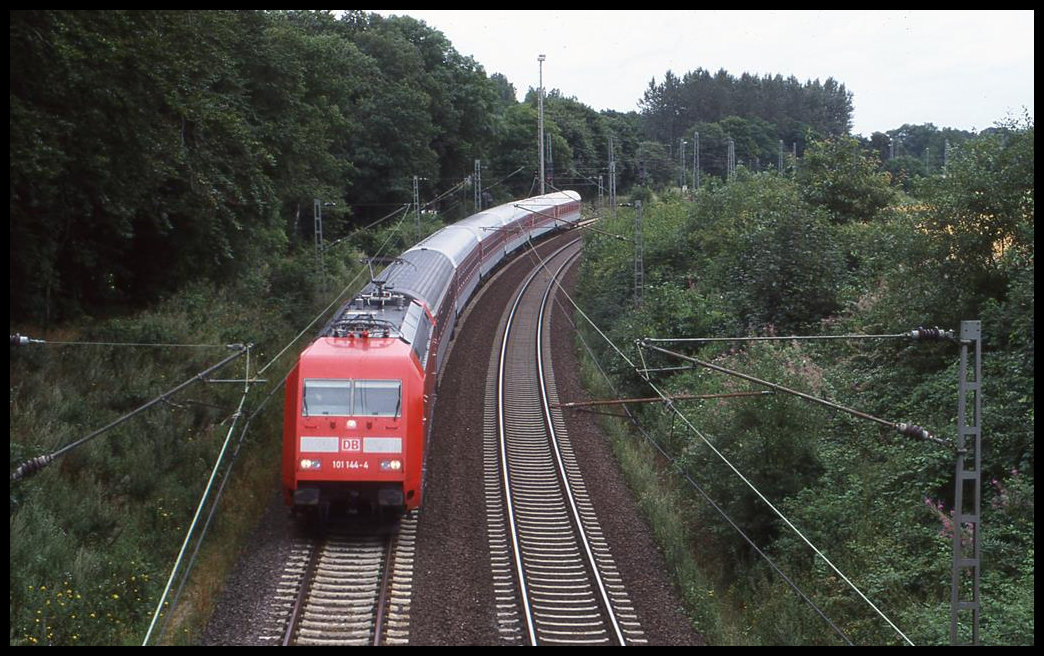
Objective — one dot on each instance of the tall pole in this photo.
(696, 163)
(967, 503)
(320, 261)
(681, 157)
(416, 204)
(639, 256)
(731, 161)
(540, 122)
(550, 155)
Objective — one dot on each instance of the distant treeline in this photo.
(675, 108)
(150, 148)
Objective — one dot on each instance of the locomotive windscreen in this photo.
(380, 398)
(347, 398)
(327, 397)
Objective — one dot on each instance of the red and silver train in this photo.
(359, 401)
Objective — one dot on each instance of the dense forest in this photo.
(166, 171)
(151, 148)
(834, 251)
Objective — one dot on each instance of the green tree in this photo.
(305, 82)
(662, 109)
(625, 130)
(977, 227)
(514, 159)
(827, 250)
(791, 107)
(713, 155)
(768, 252)
(906, 171)
(655, 166)
(837, 175)
(505, 91)
(755, 140)
(134, 165)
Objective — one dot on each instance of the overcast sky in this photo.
(955, 69)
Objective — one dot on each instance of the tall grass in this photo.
(93, 536)
(667, 502)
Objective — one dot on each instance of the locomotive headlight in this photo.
(350, 423)
(310, 463)
(391, 465)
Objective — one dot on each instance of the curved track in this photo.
(556, 580)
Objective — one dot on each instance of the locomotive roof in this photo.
(371, 357)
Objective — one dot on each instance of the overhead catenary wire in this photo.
(504, 179)
(218, 495)
(453, 189)
(200, 506)
(901, 427)
(920, 333)
(217, 466)
(337, 299)
(657, 399)
(24, 340)
(779, 514)
(351, 283)
(401, 208)
(735, 470)
(35, 464)
(676, 467)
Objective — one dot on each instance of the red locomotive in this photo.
(359, 401)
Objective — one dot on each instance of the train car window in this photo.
(410, 322)
(420, 344)
(327, 397)
(381, 398)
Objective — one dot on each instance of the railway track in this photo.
(560, 585)
(555, 579)
(346, 588)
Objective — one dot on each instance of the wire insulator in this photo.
(31, 466)
(913, 430)
(933, 334)
(19, 340)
